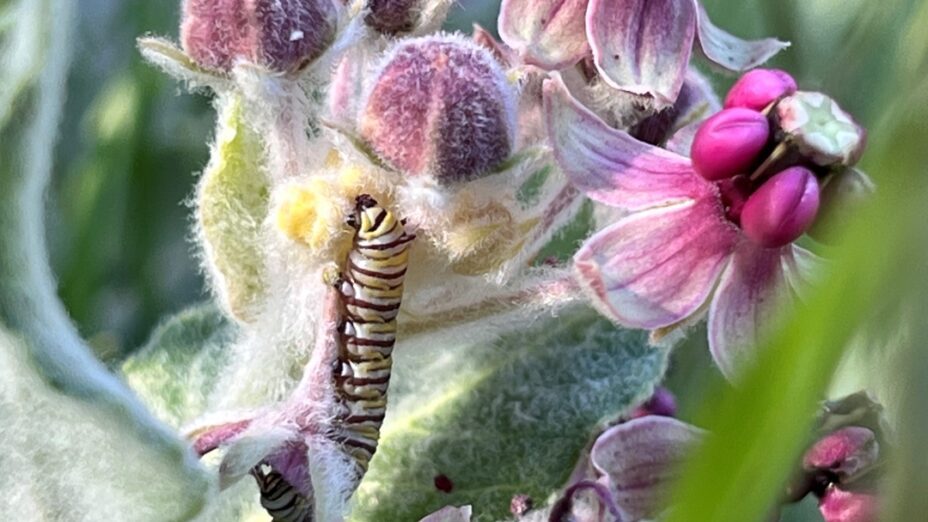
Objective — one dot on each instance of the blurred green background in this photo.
(133, 140)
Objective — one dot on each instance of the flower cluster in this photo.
(715, 231)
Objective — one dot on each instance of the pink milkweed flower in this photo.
(682, 246)
(641, 47)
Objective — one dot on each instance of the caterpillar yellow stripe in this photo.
(371, 290)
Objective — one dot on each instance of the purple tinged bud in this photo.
(782, 209)
(214, 32)
(392, 17)
(844, 455)
(662, 403)
(440, 106)
(759, 88)
(821, 130)
(728, 143)
(281, 35)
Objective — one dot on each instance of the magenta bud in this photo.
(440, 106)
(728, 143)
(782, 209)
(844, 454)
(839, 505)
(759, 88)
(662, 403)
(281, 35)
(392, 17)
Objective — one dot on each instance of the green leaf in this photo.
(502, 418)
(179, 366)
(232, 202)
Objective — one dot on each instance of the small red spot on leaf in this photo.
(443, 483)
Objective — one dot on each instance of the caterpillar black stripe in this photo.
(281, 499)
(371, 289)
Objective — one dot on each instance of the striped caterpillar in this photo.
(371, 290)
(281, 500)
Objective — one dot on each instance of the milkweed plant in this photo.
(448, 270)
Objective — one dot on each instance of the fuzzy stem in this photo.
(557, 291)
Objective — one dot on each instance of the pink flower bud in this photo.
(782, 208)
(759, 88)
(281, 35)
(440, 106)
(392, 17)
(846, 454)
(839, 505)
(728, 143)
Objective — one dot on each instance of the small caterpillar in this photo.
(371, 290)
(281, 500)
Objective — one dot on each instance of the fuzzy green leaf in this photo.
(503, 418)
(232, 202)
(179, 366)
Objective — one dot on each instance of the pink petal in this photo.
(642, 46)
(609, 165)
(656, 267)
(732, 52)
(757, 284)
(640, 458)
(547, 33)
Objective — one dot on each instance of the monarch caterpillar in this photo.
(371, 290)
(280, 498)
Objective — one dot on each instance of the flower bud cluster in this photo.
(280, 35)
(770, 149)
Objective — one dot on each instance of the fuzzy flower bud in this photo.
(281, 35)
(782, 209)
(440, 106)
(820, 129)
(392, 17)
(759, 88)
(728, 143)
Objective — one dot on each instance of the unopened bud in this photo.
(662, 403)
(759, 88)
(820, 129)
(782, 209)
(728, 143)
(281, 35)
(440, 106)
(844, 454)
(839, 505)
(392, 17)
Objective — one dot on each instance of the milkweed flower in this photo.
(714, 232)
(641, 47)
